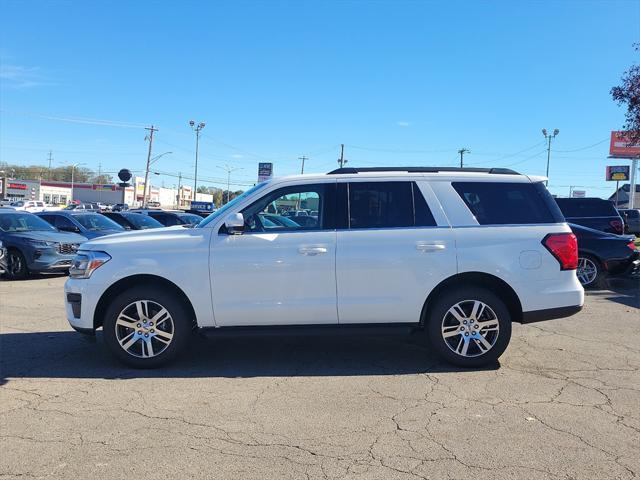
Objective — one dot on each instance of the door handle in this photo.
(312, 251)
(430, 247)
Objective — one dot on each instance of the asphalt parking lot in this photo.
(563, 403)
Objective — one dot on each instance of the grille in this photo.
(67, 248)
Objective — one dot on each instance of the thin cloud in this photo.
(237, 155)
(403, 124)
(18, 76)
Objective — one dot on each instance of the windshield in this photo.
(23, 222)
(222, 210)
(93, 221)
(142, 222)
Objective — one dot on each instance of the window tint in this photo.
(300, 207)
(498, 203)
(62, 222)
(387, 205)
(586, 207)
(166, 220)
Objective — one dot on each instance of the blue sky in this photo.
(398, 82)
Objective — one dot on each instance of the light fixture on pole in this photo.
(229, 169)
(147, 191)
(196, 129)
(549, 137)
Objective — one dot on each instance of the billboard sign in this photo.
(265, 171)
(578, 193)
(622, 147)
(617, 173)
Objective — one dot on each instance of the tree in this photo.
(628, 93)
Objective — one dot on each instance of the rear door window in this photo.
(387, 205)
(501, 203)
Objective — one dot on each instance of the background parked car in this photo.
(133, 221)
(592, 212)
(120, 207)
(90, 207)
(28, 206)
(601, 255)
(33, 245)
(631, 218)
(87, 224)
(170, 218)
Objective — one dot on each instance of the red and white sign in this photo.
(621, 147)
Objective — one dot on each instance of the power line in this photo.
(584, 148)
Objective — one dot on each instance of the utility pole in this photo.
(99, 180)
(229, 169)
(196, 129)
(549, 137)
(179, 187)
(462, 151)
(303, 158)
(50, 159)
(146, 174)
(341, 160)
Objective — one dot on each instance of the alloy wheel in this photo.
(15, 264)
(470, 328)
(144, 329)
(587, 270)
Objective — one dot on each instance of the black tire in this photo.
(439, 316)
(600, 280)
(16, 265)
(181, 329)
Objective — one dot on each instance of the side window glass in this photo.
(287, 209)
(63, 222)
(381, 204)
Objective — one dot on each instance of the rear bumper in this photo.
(549, 314)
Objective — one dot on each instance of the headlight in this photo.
(85, 263)
(40, 243)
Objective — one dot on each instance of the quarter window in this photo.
(387, 205)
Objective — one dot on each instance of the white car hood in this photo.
(137, 239)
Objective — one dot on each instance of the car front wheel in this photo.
(147, 327)
(469, 327)
(17, 265)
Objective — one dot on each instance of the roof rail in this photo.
(500, 171)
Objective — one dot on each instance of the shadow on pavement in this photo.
(72, 355)
(625, 291)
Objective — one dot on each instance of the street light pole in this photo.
(229, 169)
(549, 137)
(197, 129)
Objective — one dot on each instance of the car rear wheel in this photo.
(589, 272)
(469, 327)
(17, 265)
(147, 327)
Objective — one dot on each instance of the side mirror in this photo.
(234, 224)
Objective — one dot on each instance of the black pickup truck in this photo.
(594, 213)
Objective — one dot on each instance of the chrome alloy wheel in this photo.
(587, 271)
(470, 328)
(15, 263)
(144, 329)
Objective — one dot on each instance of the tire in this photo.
(452, 315)
(16, 265)
(152, 344)
(590, 272)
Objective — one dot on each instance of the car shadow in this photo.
(73, 355)
(625, 291)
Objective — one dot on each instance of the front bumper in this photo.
(48, 259)
(81, 297)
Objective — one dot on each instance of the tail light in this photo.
(616, 225)
(564, 247)
(632, 246)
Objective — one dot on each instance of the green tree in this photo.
(628, 93)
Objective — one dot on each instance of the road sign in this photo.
(617, 173)
(578, 193)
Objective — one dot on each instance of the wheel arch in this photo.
(478, 279)
(135, 280)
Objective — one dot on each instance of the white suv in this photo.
(460, 253)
